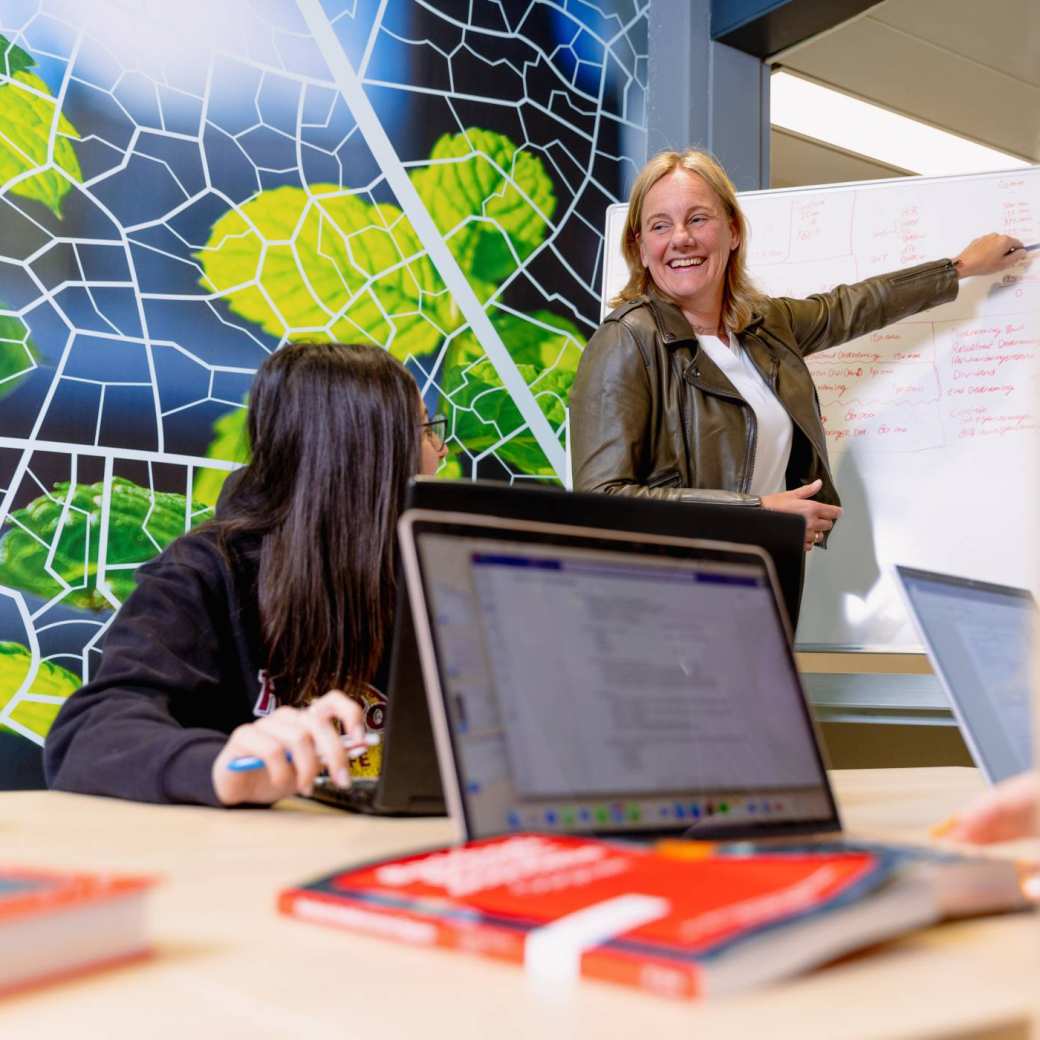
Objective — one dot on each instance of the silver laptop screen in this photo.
(979, 639)
(590, 689)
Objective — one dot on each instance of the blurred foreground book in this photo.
(54, 924)
(677, 920)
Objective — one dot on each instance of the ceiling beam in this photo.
(766, 27)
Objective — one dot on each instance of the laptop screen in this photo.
(979, 638)
(613, 689)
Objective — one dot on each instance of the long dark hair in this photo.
(334, 436)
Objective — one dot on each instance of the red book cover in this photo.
(55, 923)
(566, 907)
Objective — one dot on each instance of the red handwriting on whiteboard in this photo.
(979, 421)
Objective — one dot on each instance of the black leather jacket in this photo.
(652, 414)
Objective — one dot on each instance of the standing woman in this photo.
(694, 388)
(247, 636)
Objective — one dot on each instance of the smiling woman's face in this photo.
(685, 240)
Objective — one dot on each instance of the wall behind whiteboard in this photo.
(931, 423)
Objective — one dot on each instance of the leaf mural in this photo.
(546, 349)
(231, 444)
(141, 524)
(491, 199)
(18, 354)
(37, 159)
(327, 264)
(13, 59)
(51, 680)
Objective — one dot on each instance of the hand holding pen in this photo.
(293, 745)
(245, 763)
(990, 254)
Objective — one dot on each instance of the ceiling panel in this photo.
(795, 161)
(970, 68)
(1003, 34)
(874, 61)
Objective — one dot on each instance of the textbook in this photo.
(54, 924)
(678, 920)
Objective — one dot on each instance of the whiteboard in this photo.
(931, 423)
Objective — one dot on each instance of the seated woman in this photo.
(694, 388)
(247, 636)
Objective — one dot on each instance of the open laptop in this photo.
(610, 683)
(979, 636)
(409, 781)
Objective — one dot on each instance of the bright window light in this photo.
(813, 110)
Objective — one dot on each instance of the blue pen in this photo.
(246, 763)
(1026, 249)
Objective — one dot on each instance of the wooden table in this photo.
(228, 966)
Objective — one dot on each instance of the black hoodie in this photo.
(182, 667)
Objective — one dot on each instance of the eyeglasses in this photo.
(436, 429)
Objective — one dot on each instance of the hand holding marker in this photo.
(246, 763)
(1012, 279)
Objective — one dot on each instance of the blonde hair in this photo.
(739, 294)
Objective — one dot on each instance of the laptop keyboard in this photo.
(358, 797)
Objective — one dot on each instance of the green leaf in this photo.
(141, 524)
(490, 199)
(230, 443)
(451, 466)
(328, 265)
(13, 59)
(50, 680)
(483, 415)
(29, 126)
(208, 484)
(18, 354)
(542, 339)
